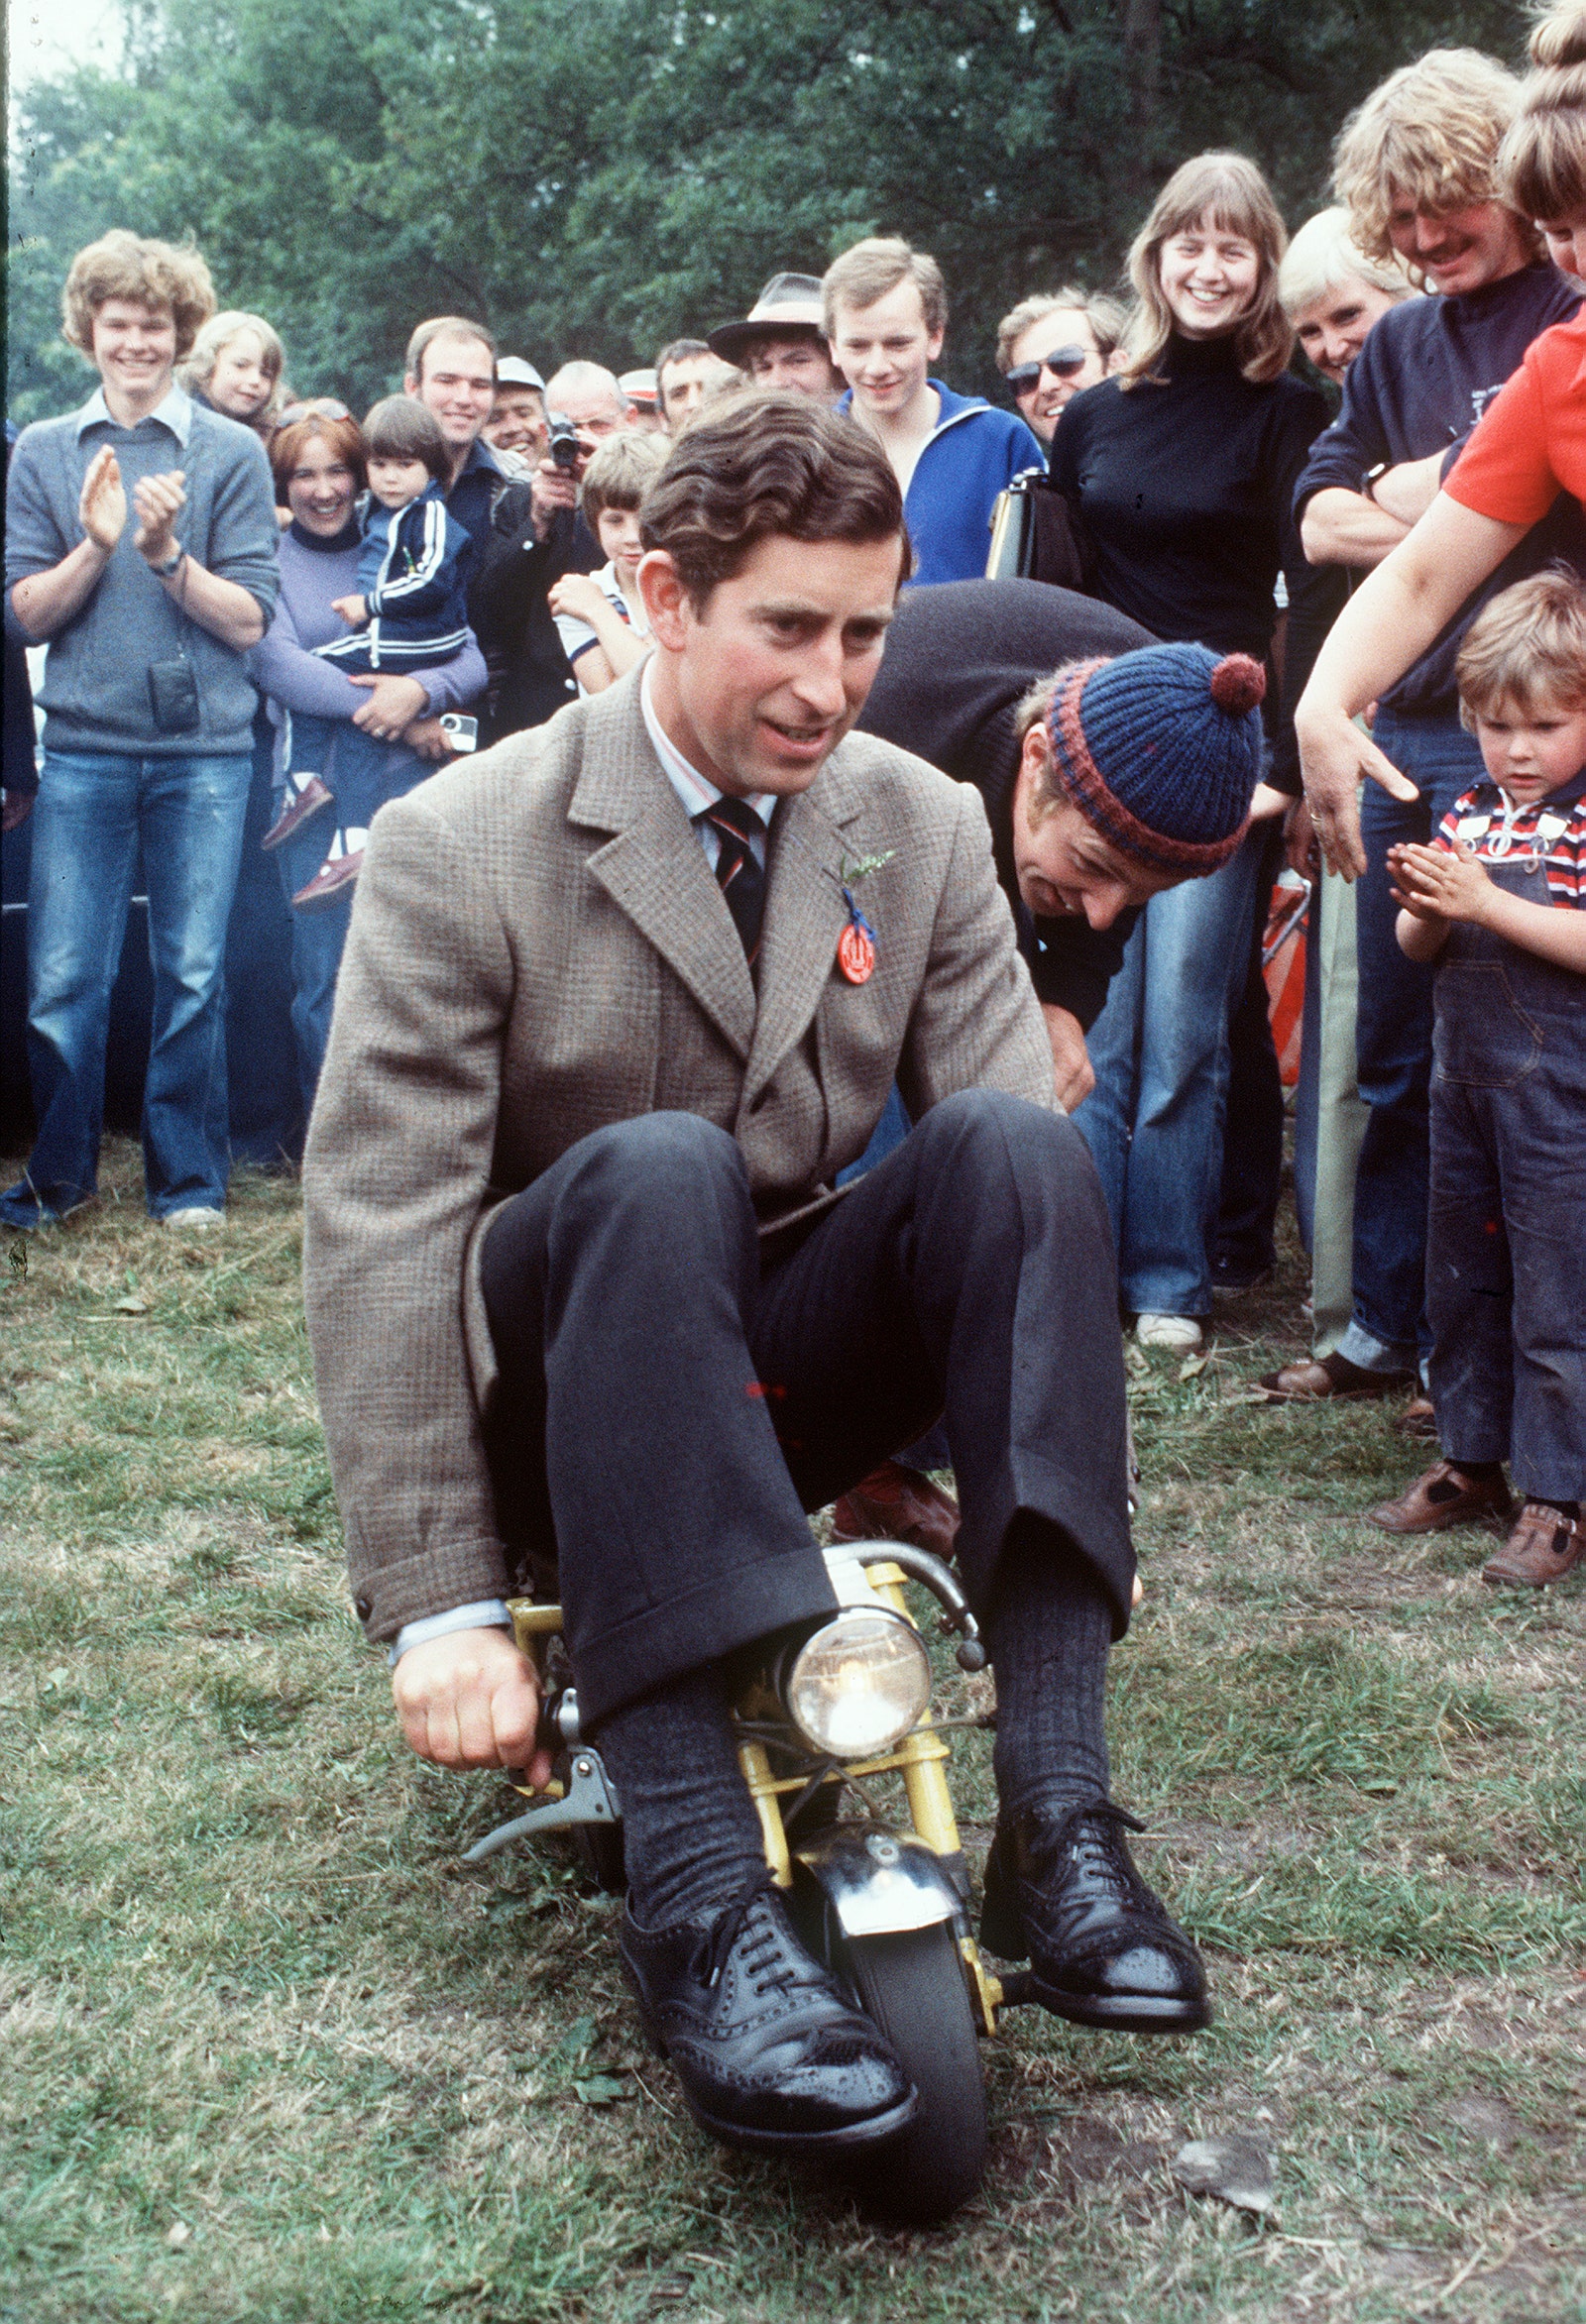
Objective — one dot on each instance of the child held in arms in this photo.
(408, 613)
(1499, 902)
(599, 617)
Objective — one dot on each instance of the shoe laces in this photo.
(1099, 1850)
(765, 1960)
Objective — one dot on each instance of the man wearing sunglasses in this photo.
(1050, 347)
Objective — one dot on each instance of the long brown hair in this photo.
(1231, 193)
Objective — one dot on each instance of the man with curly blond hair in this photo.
(141, 542)
(1417, 167)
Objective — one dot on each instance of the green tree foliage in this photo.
(594, 180)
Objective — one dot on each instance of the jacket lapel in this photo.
(803, 916)
(654, 869)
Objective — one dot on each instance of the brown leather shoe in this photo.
(1544, 1547)
(1417, 1418)
(894, 1504)
(334, 876)
(1312, 1379)
(295, 810)
(1446, 1496)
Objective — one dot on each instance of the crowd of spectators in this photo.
(265, 622)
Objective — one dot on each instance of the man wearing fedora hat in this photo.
(781, 342)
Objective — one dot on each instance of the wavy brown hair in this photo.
(153, 275)
(752, 467)
(1230, 192)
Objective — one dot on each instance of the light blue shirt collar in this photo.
(175, 414)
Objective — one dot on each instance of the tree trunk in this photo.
(1142, 64)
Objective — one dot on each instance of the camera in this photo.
(564, 444)
(462, 733)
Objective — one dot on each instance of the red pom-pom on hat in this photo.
(1238, 684)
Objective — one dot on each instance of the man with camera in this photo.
(141, 541)
(536, 537)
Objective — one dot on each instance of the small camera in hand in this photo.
(564, 444)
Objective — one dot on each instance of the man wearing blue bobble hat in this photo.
(1143, 782)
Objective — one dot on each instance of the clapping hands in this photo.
(102, 503)
(157, 501)
(1433, 885)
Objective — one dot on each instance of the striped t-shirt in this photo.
(1550, 831)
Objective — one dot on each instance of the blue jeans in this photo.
(319, 937)
(1393, 1039)
(1160, 1053)
(93, 812)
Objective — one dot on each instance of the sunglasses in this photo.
(1062, 363)
(317, 407)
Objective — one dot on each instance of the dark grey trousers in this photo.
(672, 1400)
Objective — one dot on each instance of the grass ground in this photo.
(269, 2053)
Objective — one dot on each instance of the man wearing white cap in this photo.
(781, 342)
(517, 430)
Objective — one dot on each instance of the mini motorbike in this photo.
(884, 1905)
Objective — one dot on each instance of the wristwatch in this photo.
(1368, 484)
(163, 572)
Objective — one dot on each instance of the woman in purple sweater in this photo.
(320, 469)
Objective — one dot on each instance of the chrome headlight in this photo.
(860, 1684)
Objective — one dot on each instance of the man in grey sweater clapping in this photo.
(141, 542)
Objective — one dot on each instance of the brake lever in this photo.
(590, 1798)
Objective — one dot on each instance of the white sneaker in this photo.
(198, 1219)
(1179, 1333)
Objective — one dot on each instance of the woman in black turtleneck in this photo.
(1182, 471)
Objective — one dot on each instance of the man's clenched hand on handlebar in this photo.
(471, 1698)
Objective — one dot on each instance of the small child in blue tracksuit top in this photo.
(1499, 902)
(410, 613)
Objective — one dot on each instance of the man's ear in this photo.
(1034, 752)
(666, 599)
(410, 385)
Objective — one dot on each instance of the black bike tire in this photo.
(913, 1985)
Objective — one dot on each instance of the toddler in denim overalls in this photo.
(1499, 902)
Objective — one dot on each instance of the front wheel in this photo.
(912, 1985)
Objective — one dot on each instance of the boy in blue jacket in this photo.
(408, 613)
(885, 309)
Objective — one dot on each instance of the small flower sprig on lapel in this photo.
(861, 867)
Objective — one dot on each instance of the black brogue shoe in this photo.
(769, 2052)
(1103, 1950)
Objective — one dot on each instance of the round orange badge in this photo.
(855, 953)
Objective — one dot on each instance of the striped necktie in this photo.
(738, 874)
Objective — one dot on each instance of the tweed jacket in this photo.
(539, 948)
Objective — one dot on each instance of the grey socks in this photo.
(691, 1833)
(1048, 1633)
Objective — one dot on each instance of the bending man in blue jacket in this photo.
(886, 311)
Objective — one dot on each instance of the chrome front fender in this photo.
(879, 1883)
